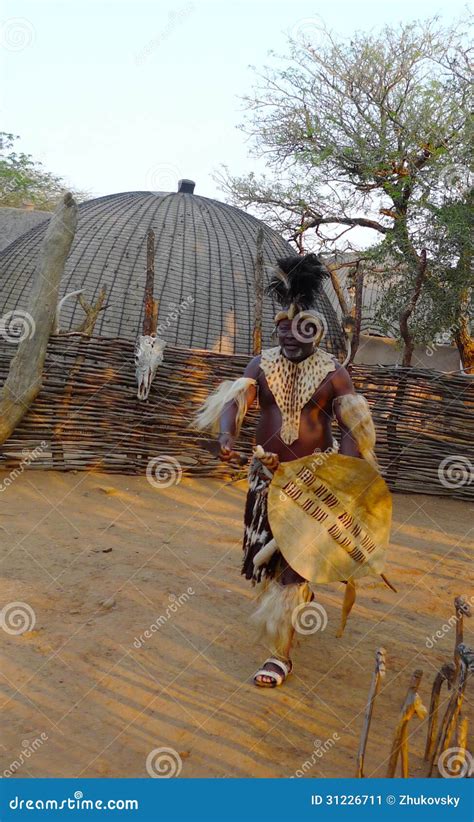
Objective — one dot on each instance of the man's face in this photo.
(296, 338)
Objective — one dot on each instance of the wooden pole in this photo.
(461, 745)
(411, 706)
(462, 609)
(150, 318)
(257, 326)
(445, 674)
(25, 375)
(453, 711)
(377, 676)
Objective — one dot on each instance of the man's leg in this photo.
(274, 617)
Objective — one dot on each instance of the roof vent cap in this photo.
(186, 187)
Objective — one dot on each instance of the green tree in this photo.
(367, 144)
(23, 181)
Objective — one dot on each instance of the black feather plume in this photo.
(297, 280)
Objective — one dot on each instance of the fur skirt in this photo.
(257, 531)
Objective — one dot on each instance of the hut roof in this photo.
(205, 254)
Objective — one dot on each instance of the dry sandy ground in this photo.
(71, 541)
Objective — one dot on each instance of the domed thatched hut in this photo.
(204, 250)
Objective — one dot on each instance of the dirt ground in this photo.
(100, 699)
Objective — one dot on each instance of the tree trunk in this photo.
(464, 341)
(25, 375)
(336, 284)
(409, 309)
(359, 289)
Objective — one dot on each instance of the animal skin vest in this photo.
(293, 384)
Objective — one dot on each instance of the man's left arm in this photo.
(343, 386)
(353, 415)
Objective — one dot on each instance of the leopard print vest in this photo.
(293, 385)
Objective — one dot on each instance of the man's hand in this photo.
(227, 452)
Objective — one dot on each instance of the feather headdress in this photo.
(296, 283)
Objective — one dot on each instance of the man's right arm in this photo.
(228, 420)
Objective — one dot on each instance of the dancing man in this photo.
(300, 388)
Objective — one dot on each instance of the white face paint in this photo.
(148, 356)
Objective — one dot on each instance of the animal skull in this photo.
(148, 356)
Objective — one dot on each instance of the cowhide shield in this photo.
(331, 516)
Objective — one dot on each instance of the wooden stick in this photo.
(445, 674)
(461, 745)
(257, 326)
(150, 312)
(462, 609)
(411, 706)
(404, 751)
(92, 311)
(377, 676)
(453, 711)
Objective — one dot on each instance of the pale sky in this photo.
(122, 95)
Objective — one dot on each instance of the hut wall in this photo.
(87, 416)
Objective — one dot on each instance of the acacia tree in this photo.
(367, 141)
(23, 181)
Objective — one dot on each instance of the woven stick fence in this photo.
(87, 416)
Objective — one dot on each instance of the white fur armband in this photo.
(210, 412)
(354, 414)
